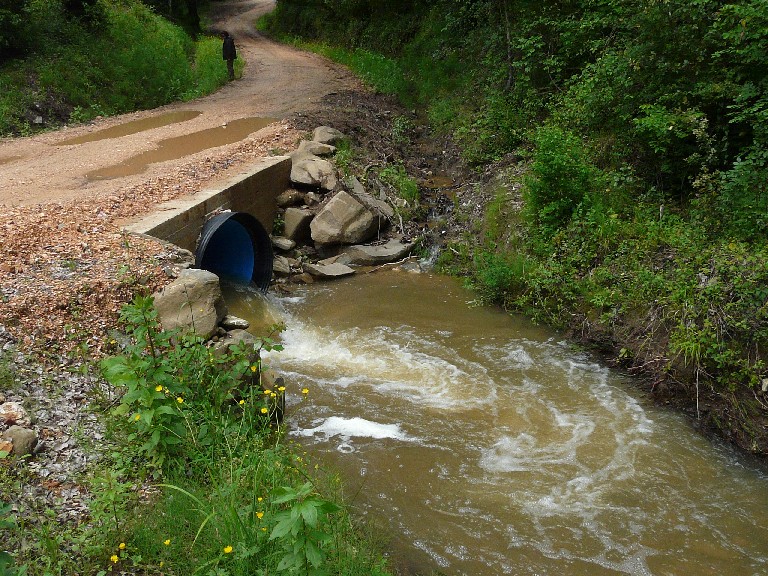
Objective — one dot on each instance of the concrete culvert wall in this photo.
(236, 247)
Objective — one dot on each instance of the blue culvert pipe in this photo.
(236, 247)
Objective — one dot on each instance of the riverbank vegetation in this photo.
(67, 61)
(195, 475)
(634, 136)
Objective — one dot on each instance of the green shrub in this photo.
(167, 380)
(560, 178)
(133, 59)
(500, 278)
(404, 185)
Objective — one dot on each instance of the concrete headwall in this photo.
(255, 192)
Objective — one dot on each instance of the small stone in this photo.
(327, 135)
(231, 322)
(312, 198)
(282, 243)
(24, 440)
(13, 413)
(334, 270)
(281, 265)
(302, 279)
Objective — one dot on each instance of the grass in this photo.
(195, 476)
(144, 59)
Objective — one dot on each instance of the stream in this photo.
(482, 445)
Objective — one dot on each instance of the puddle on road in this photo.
(9, 159)
(181, 146)
(134, 127)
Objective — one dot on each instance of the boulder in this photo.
(327, 135)
(334, 270)
(310, 170)
(297, 224)
(345, 220)
(23, 440)
(380, 206)
(315, 148)
(366, 255)
(192, 303)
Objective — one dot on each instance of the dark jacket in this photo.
(228, 49)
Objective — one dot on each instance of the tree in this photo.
(12, 39)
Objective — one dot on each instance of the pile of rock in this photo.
(331, 224)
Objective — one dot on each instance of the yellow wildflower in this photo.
(254, 368)
(167, 542)
(259, 515)
(158, 388)
(114, 558)
(137, 417)
(227, 549)
(264, 410)
(122, 546)
(281, 389)
(180, 400)
(241, 402)
(305, 390)
(267, 392)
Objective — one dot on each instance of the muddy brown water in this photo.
(182, 146)
(483, 445)
(133, 127)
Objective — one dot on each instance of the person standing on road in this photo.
(229, 53)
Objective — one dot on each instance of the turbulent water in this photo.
(483, 445)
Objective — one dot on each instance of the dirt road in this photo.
(277, 81)
(65, 265)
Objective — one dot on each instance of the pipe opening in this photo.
(236, 247)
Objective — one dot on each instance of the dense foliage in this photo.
(643, 128)
(57, 57)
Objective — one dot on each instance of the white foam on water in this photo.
(572, 456)
(348, 428)
(390, 361)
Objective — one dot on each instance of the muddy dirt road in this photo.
(277, 81)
